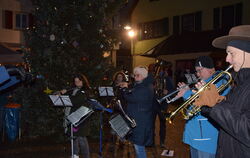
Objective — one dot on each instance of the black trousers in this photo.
(160, 111)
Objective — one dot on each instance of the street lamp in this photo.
(131, 33)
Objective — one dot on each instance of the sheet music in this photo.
(106, 91)
(79, 115)
(191, 78)
(61, 100)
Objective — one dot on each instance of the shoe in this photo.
(75, 156)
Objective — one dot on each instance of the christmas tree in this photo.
(68, 37)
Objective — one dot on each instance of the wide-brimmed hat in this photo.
(241, 32)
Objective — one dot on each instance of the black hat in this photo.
(204, 61)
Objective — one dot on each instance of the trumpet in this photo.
(187, 109)
(169, 98)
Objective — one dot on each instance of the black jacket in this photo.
(233, 117)
(80, 99)
(140, 108)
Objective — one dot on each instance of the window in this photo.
(153, 29)
(187, 23)
(191, 22)
(7, 19)
(21, 21)
(228, 16)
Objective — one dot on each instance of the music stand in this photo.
(61, 100)
(106, 91)
(4, 76)
(75, 119)
(98, 106)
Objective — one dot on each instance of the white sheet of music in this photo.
(61, 100)
(106, 91)
(80, 113)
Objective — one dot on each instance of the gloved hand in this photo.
(209, 97)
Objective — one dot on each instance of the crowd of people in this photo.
(220, 129)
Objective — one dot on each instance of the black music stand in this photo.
(75, 119)
(106, 91)
(98, 106)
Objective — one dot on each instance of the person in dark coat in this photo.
(161, 109)
(140, 108)
(233, 114)
(79, 95)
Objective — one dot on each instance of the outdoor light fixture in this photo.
(131, 33)
(127, 27)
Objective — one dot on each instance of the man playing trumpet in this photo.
(200, 132)
(233, 113)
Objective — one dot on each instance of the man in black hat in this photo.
(233, 114)
(200, 133)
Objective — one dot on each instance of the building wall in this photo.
(13, 37)
(147, 11)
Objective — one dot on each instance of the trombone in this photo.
(187, 109)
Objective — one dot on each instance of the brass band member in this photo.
(200, 133)
(140, 108)
(233, 114)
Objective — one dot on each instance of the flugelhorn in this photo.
(187, 109)
(171, 97)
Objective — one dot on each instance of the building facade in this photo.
(15, 16)
(174, 30)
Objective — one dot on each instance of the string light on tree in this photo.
(52, 37)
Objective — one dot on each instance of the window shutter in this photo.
(8, 19)
(176, 24)
(198, 21)
(217, 20)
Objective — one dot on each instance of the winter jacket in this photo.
(140, 108)
(233, 118)
(200, 132)
(80, 99)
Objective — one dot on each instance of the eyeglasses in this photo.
(136, 75)
(199, 70)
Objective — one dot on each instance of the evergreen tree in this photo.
(68, 37)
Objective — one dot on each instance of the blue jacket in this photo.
(140, 108)
(200, 132)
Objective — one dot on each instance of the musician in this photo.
(140, 108)
(78, 96)
(233, 114)
(159, 109)
(119, 78)
(200, 132)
